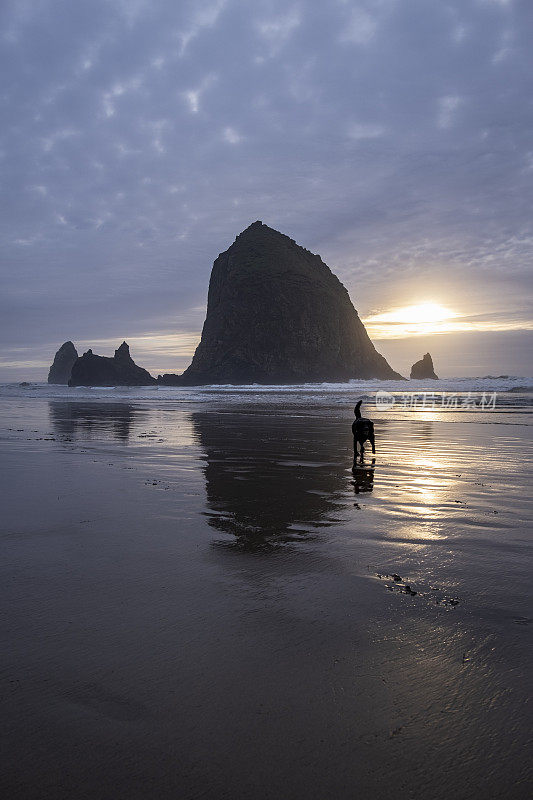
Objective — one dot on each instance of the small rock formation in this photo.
(63, 362)
(277, 314)
(121, 370)
(423, 369)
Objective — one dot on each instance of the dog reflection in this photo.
(363, 478)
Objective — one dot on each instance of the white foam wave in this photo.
(318, 392)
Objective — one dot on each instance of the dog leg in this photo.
(373, 443)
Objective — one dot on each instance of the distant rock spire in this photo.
(423, 369)
(63, 362)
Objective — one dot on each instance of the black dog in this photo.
(363, 430)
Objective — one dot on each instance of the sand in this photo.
(200, 603)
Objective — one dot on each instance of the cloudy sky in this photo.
(139, 137)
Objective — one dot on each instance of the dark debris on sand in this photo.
(401, 586)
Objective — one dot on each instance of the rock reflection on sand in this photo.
(85, 420)
(272, 479)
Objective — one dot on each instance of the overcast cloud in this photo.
(394, 137)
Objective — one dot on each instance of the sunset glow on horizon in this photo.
(431, 318)
(414, 320)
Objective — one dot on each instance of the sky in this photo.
(392, 137)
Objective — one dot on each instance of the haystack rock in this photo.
(63, 362)
(121, 370)
(423, 369)
(277, 314)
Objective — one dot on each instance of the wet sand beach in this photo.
(205, 601)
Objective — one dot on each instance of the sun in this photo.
(415, 320)
(421, 313)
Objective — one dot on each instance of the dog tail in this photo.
(357, 409)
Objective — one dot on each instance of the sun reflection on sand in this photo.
(421, 489)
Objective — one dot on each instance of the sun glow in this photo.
(423, 313)
(415, 320)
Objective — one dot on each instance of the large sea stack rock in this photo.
(121, 370)
(63, 362)
(423, 369)
(277, 314)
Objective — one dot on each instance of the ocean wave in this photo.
(335, 393)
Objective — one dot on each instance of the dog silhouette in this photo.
(363, 431)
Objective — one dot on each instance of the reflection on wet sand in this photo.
(140, 663)
(271, 478)
(90, 420)
(363, 478)
(421, 484)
